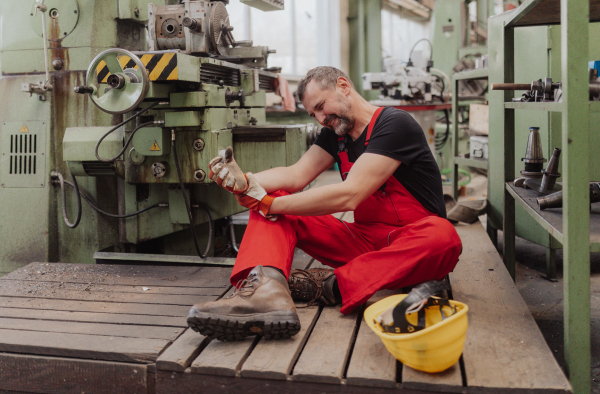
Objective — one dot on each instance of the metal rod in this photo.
(511, 86)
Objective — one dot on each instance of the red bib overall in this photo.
(394, 241)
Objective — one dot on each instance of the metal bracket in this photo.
(39, 88)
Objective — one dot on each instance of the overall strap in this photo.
(343, 152)
(372, 124)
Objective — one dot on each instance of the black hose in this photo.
(92, 203)
(232, 236)
(189, 210)
(64, 199)
(131, 136)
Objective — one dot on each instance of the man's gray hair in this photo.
(325, 76)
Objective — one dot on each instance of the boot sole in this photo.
(271, 325)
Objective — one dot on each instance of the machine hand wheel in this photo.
(118, 81)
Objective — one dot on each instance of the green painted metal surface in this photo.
(151, 141)
(33, 226)
(571, 125)
(448, 33)
(576, 216)
(364, 22)
(79, 143)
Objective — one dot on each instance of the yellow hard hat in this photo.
(423, 331)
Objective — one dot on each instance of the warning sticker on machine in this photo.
(155, 147)
(24, 129)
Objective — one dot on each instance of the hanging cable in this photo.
(92, 203)
(187, 205)
(131, 136)
(414, 46)
(64, 199)
(232, 236)
(441, 142)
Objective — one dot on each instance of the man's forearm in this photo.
(278, 178)
(317, 201)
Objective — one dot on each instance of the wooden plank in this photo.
(136, 275)
(99, 307)
(22, 373)
(137, 350)
(182, 352)
(52, 290)
(224, 358)
(323, 359)
(371, 364)
(275, 359)
(34, 285)
(112, 330)
(301, 260)
(71, 316)
(178, 382)
(448, 381)
(504, 349)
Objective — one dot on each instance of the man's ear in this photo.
(344, 85)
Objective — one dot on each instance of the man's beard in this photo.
(345, 121)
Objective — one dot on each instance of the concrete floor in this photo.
(545, 298)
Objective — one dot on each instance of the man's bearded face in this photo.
(342, 122)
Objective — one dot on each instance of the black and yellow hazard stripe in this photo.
(160, 66)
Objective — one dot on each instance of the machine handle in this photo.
(511, 86)
(83, 89)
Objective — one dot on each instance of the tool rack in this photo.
(572, 228)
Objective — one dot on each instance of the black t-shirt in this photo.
(397, 135)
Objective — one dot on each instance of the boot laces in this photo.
(245, 287)
(302, 274)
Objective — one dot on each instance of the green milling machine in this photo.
(174, 87)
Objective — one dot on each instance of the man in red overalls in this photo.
(400, 236)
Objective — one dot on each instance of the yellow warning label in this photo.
(155, 147)
(24, 129)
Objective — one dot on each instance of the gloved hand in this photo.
(226, 173)
(256, 198)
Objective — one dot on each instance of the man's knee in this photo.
(441, 233)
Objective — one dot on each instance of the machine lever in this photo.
(83, 89)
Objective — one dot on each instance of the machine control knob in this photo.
(159, 170)
(199, 175)
(231, 96)
(199, 144)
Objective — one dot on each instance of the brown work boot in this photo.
(260, 305)
(314, 285)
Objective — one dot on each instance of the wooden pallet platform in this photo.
(121, 329)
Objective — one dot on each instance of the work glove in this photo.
(256, 198)
(226, 173)
(250, 194)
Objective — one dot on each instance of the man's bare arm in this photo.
(295, 177)
(366, 176)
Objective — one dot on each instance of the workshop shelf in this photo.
(579, 229)
(546, 106)
(457, 160)
(480, 73)
(465, 161)
(552, 219)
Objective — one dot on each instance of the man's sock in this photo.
(336, 292)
